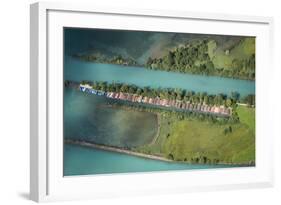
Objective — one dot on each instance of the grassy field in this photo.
(198, 141)
(221, 59)
(247, 116)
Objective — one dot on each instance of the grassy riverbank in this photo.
(195, 141)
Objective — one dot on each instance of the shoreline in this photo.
(115, 149)
(159, 69)
(142, 155)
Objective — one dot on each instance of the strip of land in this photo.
(115, 149)
(138, 154)
(178, 104)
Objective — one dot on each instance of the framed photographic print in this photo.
(127, 102)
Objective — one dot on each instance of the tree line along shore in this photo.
(177, 104)
(169, 93)
(202, 57)
(220, 104)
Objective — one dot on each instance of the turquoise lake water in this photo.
(81, 70)
(86, 118)
(85, 161)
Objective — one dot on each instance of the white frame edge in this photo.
(39, 75)
(38, 104)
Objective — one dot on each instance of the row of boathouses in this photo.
(199, 107)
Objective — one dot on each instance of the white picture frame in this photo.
(46, 179)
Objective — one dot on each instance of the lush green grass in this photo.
(195, 140)
(242, 51)
(245, 49)
(198, 141)
(247, 116)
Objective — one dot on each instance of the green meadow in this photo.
(247, 116)
(196, 141)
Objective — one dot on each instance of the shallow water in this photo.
(86, 117)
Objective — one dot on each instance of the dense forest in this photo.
(203, 57)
